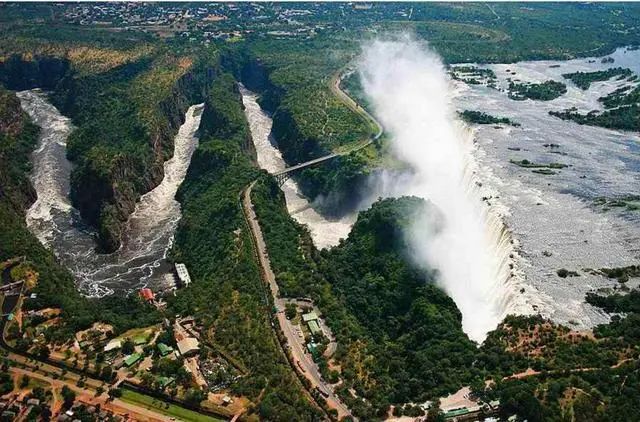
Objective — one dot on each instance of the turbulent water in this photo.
(141, 259)
(324, 232)
(460, 235)
(532, 224)
(553, 217)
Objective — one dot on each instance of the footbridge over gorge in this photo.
(284, 174)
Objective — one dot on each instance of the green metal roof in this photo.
(314, 327)
(456, 412)
(132, 359)
(311, 316)
(164, 349)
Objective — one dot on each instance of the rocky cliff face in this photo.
(107, 199)
(18, 136)
(41, 72)
(336, 181)
(110, 173)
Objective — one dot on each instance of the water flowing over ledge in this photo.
(140, 260)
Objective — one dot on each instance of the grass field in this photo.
(180, 413)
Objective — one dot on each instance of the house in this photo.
(188, 346)
(164, 349)
(132, 359)
(313, 349)
(311, 316)
(183, 275)
(147, 295)
(166, 381)
(314, 327)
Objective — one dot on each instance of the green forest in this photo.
(227, 294)
(583, 80)
(399, 335)
(545, 91)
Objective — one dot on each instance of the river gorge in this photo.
(140, 261)
(509, 229)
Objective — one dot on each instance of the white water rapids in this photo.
(488, 269)
(140, 261)
(324, 232)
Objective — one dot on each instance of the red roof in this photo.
(147, 294)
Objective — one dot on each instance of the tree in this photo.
(43, 352)
(194, 396)
(128, 347)
(115, 393)
(106, 374)
(24, 383)
(69, 396)
(291, 310)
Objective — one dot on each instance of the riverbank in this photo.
(140, 260)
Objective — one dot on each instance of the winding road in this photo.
(304, 363)
(345, 149)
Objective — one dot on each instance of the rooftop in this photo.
(132, 359)
(188, 345)
(147, 294)
(164, 349)
(314, 327)
(311, 316)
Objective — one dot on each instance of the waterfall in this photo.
(467, 243)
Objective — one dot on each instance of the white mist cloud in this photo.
(411, 93)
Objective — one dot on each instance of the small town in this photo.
(84, 375)
(170, 359)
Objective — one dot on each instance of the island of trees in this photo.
(545, 91)
(583, 80)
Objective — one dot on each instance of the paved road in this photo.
(350, 102)
(86, 394)
(304, 362)
(348, 149)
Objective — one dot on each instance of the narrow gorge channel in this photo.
(324, 232)
(140, 261)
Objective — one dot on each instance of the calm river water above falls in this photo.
(141, 259)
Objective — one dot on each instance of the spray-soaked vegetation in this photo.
(480, 118)
(545, 91)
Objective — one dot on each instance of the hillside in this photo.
(127, 102)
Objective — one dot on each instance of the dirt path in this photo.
(88, 397)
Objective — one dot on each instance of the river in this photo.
(324, 231)
(553, 218)
(140, 261)
(551, 221)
